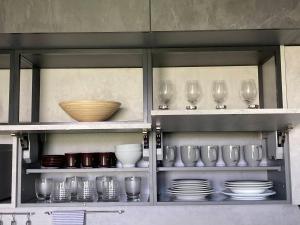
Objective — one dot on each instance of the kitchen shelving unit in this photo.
(176, 126)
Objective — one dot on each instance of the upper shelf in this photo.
(77, 127)
(4, 61)
(82, 58)
(225, 120)
(217, 56)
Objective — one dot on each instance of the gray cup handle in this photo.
(214, 154)
(260, 153)
(235, 154)
(197, 154)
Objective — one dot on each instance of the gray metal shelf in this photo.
(225, 202)
(231, 169)
(75, 127)
(225, 120)
(87, 170)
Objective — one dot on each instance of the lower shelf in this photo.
(144, 201)
(220, 199)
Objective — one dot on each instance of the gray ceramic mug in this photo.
(189, 155)
(231, 154)
(169, 156)
(209, 154)
(253, 154)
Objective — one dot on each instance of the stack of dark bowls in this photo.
(53, 161)
(80, 160)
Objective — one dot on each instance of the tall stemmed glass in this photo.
(166, 91)
(249, 93)
(219, 92)
(193, 92)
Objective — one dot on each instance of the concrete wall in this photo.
(170, 15)
(35, 16)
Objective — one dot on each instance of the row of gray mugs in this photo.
(191, 154)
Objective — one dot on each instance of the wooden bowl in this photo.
(90, 110)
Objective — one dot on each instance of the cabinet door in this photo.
(179, 15)
(34, 16)
(292, 70)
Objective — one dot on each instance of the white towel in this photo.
(68, 217)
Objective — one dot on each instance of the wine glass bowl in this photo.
(193, 93)
(166, 91)
(219, 91)
(249, 92)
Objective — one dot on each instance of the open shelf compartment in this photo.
(274, 167)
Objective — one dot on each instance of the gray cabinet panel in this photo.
(179, 15)
(292, 69)
(34, 16)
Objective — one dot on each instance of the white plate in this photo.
(249, 182)
(248, 190)
(190, 180)
(190, 188)
(249, 198)
(265, 194)
(190, 198)
(190, 193)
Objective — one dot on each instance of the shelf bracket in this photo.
(29, 145)
(146, 152)
(159, 151)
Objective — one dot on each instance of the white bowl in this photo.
(129, 147)
(128, 155)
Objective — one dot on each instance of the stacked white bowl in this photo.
(128, 154)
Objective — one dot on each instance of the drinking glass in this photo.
(86, 190)
(108, 188)
(193, 92)
(72, 182)
(133, 188)
(249, 92)
(61, 192)
(43, 188)
(165, 93)
(219, 91)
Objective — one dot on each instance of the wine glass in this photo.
(193, 92)
(43, 189)
(249, 92)
(219, 91)
(165, 93)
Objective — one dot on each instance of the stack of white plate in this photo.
(248, 189)
(190, 189)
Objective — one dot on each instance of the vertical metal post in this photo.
(261, 86)
(14, 88)
(278, 78)
(147, 85)
(35, 98)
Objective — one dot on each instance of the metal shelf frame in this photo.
(145, 58)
